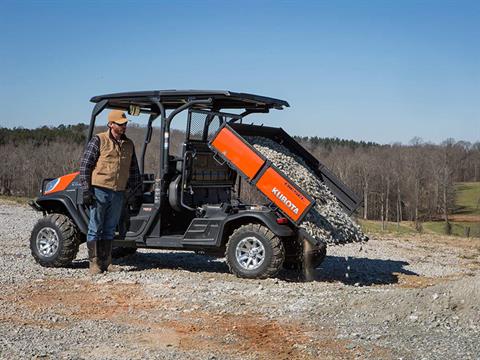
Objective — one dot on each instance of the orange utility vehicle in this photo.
(193, 202)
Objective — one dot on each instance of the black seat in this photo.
(174, 193)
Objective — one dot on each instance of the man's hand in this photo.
(88, 198)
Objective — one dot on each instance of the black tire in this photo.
(271, 251)
(311, 259)
(62, 234)
(119, 252)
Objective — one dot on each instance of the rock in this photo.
(350, 346)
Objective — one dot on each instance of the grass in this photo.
(375, 227)
(467, 204)
(458, 228)
(467, 201)
(15, 199)
(432, 227)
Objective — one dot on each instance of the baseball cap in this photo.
(117, 116)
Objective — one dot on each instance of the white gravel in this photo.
(409, 298)
(326, 221)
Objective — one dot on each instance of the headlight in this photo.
(51, 185)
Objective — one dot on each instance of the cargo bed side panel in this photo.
(347, 198)
(238, 152)
(284, 194)
(293, 202)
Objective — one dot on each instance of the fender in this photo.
(266, 218)
(45, 204)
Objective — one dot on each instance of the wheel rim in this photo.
(47, 242)
(250, 253)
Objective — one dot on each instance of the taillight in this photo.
(282, 220)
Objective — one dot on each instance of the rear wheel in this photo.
(254, 252)
(54, 241)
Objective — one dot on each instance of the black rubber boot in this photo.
(101, 254)
(107, 259)
(93, 257)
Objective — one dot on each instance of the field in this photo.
(458, 228)
(371, 226)
(465, 220)
(468, 198)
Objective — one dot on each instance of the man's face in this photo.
(118, 129)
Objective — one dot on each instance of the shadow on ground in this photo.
(175, 260)
(347, 270)
(354, 271)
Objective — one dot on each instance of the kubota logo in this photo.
(285, 200)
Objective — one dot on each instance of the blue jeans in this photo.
(104, 214)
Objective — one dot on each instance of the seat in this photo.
(174, 193)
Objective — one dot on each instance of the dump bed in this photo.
(229, 143)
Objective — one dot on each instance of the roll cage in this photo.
(166, 104)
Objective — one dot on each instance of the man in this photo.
(108, 167)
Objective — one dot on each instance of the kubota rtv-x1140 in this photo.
(192, 203)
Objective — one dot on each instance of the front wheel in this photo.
(54, 241)
(254, 252)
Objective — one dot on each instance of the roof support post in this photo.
(148, 137)
(162, 113)
(98, 108)
(166, 132)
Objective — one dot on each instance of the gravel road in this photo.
(413, 297)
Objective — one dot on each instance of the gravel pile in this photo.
(326, 221)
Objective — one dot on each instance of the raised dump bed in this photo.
(231, 145)
(257, 170)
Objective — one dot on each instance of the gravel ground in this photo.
(414, 297)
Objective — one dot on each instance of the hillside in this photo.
(467, 200)
(464, 221)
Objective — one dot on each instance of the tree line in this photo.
(396, 182)
(403, 182)
(44, 135)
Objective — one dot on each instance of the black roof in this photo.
(172, 99)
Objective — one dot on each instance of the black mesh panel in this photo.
(197, 126)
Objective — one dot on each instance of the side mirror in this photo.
(134, 110)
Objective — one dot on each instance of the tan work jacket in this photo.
(113, 165)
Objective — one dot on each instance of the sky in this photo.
(382, 71)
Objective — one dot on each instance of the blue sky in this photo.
(383, 71)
